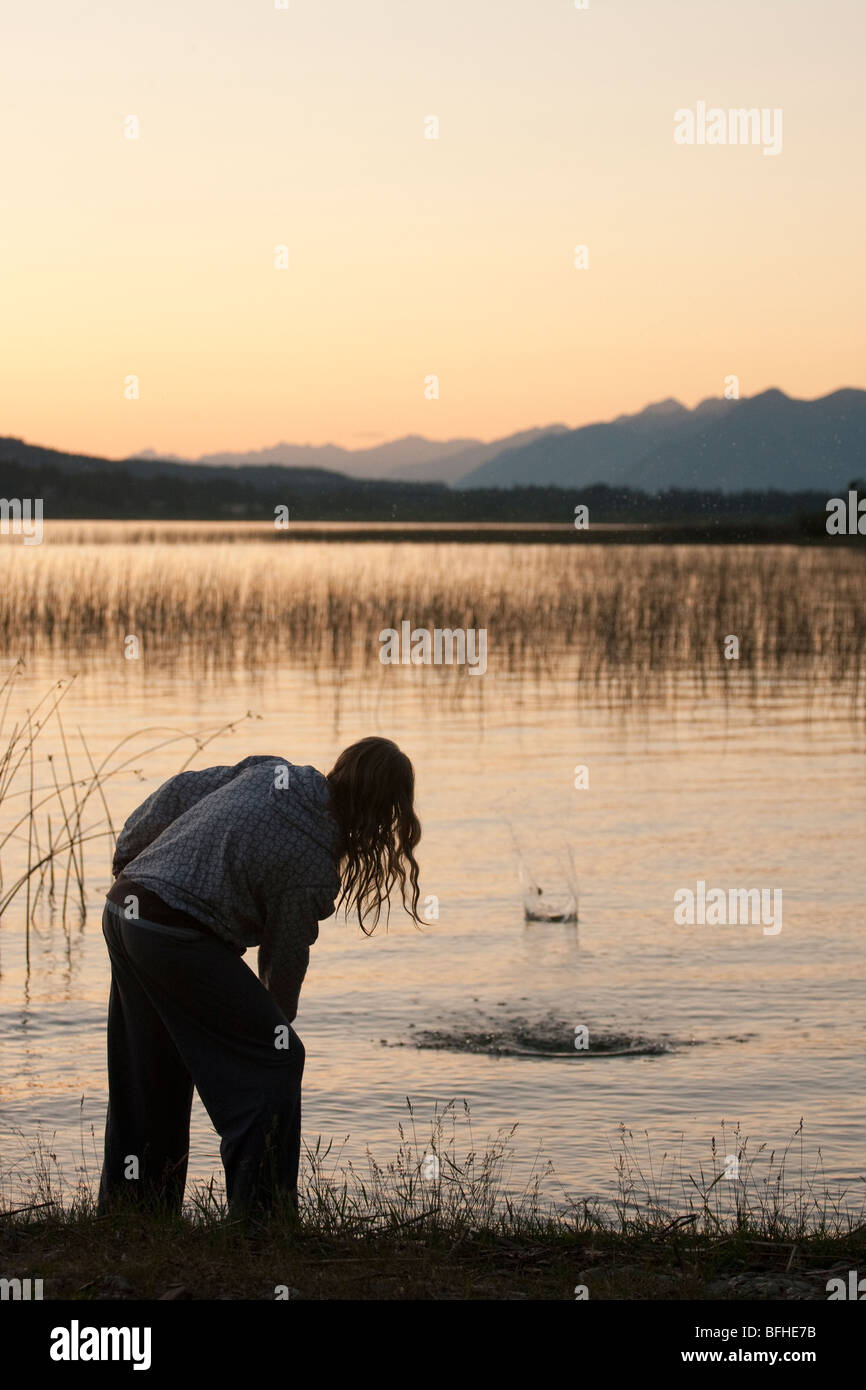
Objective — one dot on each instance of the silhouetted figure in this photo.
(212, 863)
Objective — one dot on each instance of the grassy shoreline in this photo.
(83, 1257)
(776, 1234)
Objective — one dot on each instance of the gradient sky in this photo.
(411, 256)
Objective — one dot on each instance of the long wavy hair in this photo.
(372, 793)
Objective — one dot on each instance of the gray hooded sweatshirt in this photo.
(251, 852)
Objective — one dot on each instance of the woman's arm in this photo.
(289, 933)
(168, 802)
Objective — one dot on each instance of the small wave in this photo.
(521, 1039)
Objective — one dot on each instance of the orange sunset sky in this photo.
(408, 256)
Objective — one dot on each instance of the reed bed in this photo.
(53, 804)
(604, 610)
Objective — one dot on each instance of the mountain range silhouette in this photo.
(768, 442)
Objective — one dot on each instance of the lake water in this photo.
(750, 777)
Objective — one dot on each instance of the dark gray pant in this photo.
(186, 1011)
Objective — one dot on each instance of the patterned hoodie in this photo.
(251, 852)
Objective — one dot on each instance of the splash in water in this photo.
(522, 1038)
